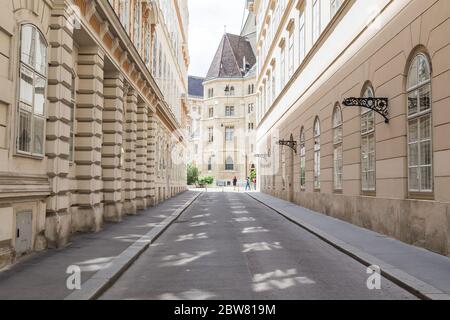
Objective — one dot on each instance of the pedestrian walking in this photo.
(234, 183)
(247, 184)
(254, 184)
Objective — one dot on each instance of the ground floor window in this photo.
(229, 164)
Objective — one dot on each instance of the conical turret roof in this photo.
(229, 59)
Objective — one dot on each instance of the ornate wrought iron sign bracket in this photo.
(289, 143)
(379, 105)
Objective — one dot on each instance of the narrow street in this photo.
(229, 246)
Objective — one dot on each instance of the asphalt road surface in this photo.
(229, 246)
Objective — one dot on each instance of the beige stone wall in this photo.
(418, 26)
(24, 183)
(102, 100)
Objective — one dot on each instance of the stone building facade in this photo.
(389, 175)
(87, 132)
(195, 102)
(227, 125)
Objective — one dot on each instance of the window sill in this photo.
(421, 196)
(29, 156)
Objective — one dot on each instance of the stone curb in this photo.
(104, 279)
(406, 281)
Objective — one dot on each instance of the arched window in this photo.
(210, 164)
(302, 146)
(317, 154)
(232, 91)
(368, 177)
(420, 147)
(32, 88)
(337, 148)
(229, 165)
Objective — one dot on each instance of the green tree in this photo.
(192, 174)
(206, 180)
(253, 174)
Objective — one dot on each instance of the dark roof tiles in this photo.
(195, 86)
(229, 59)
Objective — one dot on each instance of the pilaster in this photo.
(113, 117)
(130, 206)
(151, 159)
(58, 219)
(141, 156)
(88, 145)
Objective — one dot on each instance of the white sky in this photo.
(207, 19)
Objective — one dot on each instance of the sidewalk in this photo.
(43, 275)
(416, 269)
